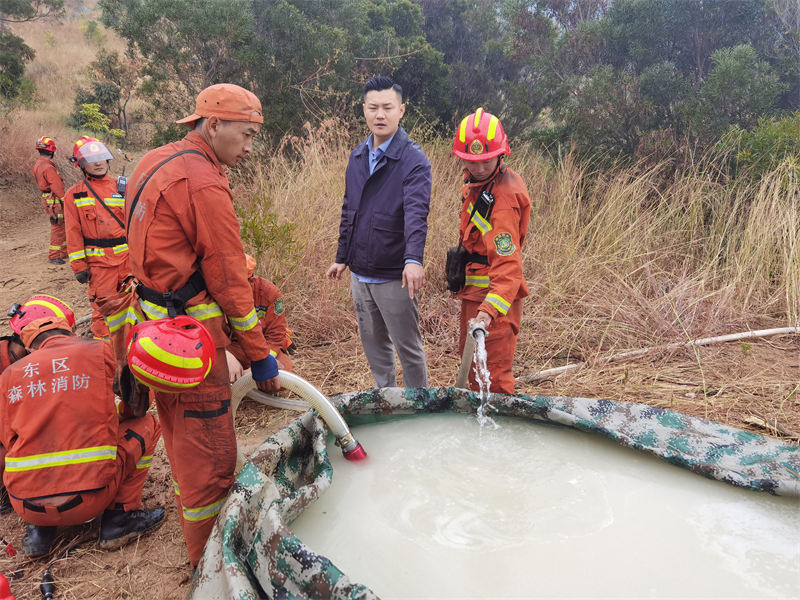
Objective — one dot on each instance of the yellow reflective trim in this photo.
(57, 311)
(498, 302)
(478, 280)
(60, 459)
(462, 130)
(176, 488)
(160, 381)
(120, 248)
(144, 462)
(244, 323)
(203, 512)
(85, 202)
(478, 115)
(482, 224)
(174, 360)
(95, 251)
(492, 128)
(114, 201)
(79, 255)
(129, 316)
(153, 311)
(201, 312)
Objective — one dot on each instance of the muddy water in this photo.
(443, 509)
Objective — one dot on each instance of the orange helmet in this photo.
(36, 308)
(480, 136)
(170, 355)
(45, 143)
(89, 150)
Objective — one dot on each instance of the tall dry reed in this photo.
(614, 260)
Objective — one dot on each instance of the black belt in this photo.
(174, 301)
(63, 508)
(481, 259)
(104, 242)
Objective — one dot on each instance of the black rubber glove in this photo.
(83, 276)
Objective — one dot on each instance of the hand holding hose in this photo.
(265, 374)
(481, 317)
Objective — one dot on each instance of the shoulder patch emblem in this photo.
(279, 308)
(505, 246)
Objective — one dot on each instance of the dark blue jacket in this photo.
(385, 215)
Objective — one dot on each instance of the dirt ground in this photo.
(744, 385)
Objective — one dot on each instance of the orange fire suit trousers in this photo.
(501, 344)
(104, 283)
(136, 442)
(201, 446)
(58, 241)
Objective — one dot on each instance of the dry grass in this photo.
(615, 260)
(58, 70)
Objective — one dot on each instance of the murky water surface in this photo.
(445, 509)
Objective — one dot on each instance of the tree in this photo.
(14, 52)
(740, 89)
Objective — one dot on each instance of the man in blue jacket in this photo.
(382, 237)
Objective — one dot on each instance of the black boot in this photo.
(5, 501)
(38, 540)
(118, 527)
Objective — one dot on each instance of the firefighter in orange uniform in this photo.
(271, 313)
(186, 253)
(68, 457)
(52, 189)
(495, 210)
(12, 349)
(95, 217)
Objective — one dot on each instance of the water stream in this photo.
(484, 379)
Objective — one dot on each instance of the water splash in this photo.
(484, 379)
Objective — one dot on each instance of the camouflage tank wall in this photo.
(252, 552)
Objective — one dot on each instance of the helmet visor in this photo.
(93, 152)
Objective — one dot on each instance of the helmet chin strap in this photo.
(492, 174)
(88, 175)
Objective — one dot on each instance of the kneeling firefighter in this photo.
(69, 456)
(485, 269)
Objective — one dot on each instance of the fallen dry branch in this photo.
(731, 337)
(771, 425)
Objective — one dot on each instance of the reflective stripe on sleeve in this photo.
(129, 316)
(59, 459)
(79, 255)
(144, 462)
(245, 323)
(498, 302)
(478, 280)
(201, 312)
(85, 202)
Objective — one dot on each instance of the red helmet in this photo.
(36, 308)
(45, 143)
(480, 136)
(89, 150)
(170, 355)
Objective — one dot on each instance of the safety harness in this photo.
(173, 300)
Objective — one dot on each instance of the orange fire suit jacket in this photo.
(5, 356)
(271, 313)
(58, 421)
(184, 221)
(93, 235)
(501, 282)
(51, 186)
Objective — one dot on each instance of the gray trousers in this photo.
(387, 320)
